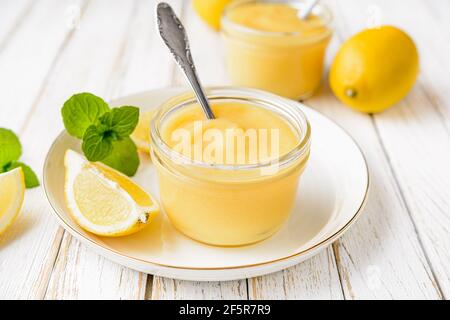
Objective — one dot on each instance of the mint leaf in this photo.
(10, 147)
(124, 157)
(10, 152)
(81, 111)
(96, 145)
(105, 133)
(121, 121)
(31, 180)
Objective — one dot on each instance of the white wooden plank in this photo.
(145, 63)
(316, 278)
(429, 205)
(23, 70)
(80, 273)
(137, 65)
(419, 146)
(164, 288)
(87, 62)
(416, 141)
(427, 189)
(381, 256)
(12, 15)
(28, 55)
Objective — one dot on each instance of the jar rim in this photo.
(324, 11)
(289, 107)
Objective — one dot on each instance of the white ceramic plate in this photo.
(331, 195)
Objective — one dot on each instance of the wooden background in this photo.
(399, 248)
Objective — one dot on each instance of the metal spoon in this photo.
(174, 36)
(304, 14)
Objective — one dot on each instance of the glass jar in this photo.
(286, 63)
(229, 205)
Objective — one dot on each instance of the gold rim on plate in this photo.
(317, 246)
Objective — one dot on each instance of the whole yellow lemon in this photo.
(375, 69)
(210, 11)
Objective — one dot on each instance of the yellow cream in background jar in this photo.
(269, 47)
(225, 204)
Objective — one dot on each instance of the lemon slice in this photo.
(12, 190)
(141, 135)
(104, 201)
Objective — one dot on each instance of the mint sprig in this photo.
(10, 152)
(105, 132)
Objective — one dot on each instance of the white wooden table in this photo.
(399, 248)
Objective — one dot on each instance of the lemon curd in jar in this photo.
(269, 47)
(235, 201)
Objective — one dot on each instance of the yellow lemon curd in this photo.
(269, 47)
(235, 200)
(241, 120)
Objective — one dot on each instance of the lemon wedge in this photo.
(12, 190)
(141, 134)
(104, 201)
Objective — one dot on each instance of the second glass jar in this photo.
(270, 48)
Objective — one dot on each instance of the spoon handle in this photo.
(174, 36)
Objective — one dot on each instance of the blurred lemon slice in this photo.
(12, 190)
(141, 135)
(104, 201)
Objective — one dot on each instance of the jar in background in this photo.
(270, 48)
